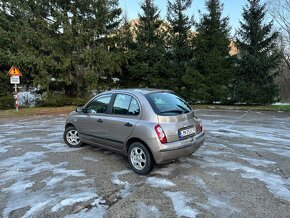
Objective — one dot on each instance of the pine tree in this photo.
(26, 38)
(180, 52)
(258, 56)
(127, 46)
(86, 32)
(150, 67)
(211, 53)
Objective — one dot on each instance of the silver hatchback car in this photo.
(150, 126)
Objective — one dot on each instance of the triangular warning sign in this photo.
(14, 71)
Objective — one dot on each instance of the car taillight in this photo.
(160, 133)
(201, 127)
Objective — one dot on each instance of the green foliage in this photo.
(74, 47)
(7, 102)
(149, 65)
(56, 44)
(211, 53)
(258, 57)
(61, 100)
(182, 75)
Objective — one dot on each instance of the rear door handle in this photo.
(128, 124)
(100, 120)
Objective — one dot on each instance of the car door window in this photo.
(99, 104)
(134, 108)
(121, 104)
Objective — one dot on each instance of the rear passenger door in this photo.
(125, 114)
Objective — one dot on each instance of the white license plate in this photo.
(187, 132)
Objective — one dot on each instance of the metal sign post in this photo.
(16, 97)
(15, 79)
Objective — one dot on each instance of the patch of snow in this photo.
(242, 145)
(275, 183)
(59, 147)
(214, 152)
(213, 173)
(258, 162)
(96, 212)
(215, 202)
(164, 171)
(147, 211)
(128, 188)
(279, 151)
(180, 201)
(4, 149)
(18, 177)
(80, 197)
(90, 159)
(159, 183)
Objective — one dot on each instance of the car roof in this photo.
(142, 91)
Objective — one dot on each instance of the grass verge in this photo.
(36, 111)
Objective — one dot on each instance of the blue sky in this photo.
(232, 8)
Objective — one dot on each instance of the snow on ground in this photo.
(159, 183)
(30, 181)
(4, 149)
(215, 202)
(249, 144)
(180, 201)
(275, 183)
(127, 187)
(146, 211)
(90, 159)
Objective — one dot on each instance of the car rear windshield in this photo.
(167, 104)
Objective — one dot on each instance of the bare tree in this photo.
(280, 12)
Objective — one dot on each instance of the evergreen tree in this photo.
(149, 68)
(258, 57)
(211, 53)
(25, 38)
(180, 52)
(127, 46)
(86, 33)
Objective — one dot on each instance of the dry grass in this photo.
(36, 111)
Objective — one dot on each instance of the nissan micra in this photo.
(150, 126)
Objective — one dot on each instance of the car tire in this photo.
(71, 137)
(140, 158)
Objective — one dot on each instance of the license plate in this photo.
(186, 132)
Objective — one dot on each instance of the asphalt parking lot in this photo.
(242, 170)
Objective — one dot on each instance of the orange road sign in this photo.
(14, 71)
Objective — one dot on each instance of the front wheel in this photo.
(140, 158)
(71, 137)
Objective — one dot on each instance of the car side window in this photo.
(121, 104)
(134, 108)
(125, 105)
(99, 105)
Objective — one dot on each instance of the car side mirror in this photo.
(80, 110)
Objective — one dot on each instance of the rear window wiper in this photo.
(173, 111)
(183, 108)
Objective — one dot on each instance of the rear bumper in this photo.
(173, 150)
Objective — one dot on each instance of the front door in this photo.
(92, 122)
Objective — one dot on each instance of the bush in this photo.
(7, 102)
(61, 100)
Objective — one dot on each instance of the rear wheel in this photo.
(140, 158)
(71, 137)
